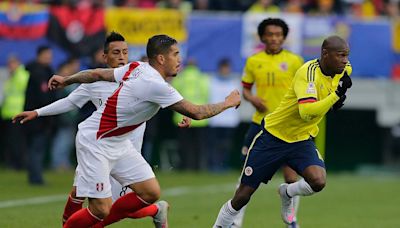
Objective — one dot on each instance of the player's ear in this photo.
(324, 52)
(105, 58)
(160, 59)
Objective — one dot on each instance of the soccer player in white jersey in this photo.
(102, 142)
(115, 55)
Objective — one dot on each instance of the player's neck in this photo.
(324, 69)
(273, 52)
(158, 69)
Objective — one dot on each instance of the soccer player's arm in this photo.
(167, 96)
(108, 74)
(247, 81)
(60, 106)
(90, 76)
(80, 96)
(307, 97)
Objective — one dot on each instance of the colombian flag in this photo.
(23, 21)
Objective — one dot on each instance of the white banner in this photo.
(251, 42)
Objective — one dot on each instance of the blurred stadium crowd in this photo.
(50, 141)
(358, 8)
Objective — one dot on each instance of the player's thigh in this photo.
(304, 154)
(265, 157)
(132, 169)
(253, 130)
(149, 190)
(92, 176)
(117, 189)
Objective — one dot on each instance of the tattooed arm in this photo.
(199, 112)
(85, 76)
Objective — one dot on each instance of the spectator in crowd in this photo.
(264, 6)
(201, 5)
(63, 141)
(392, 9)
(293, 6)
(222, 127)
(14, 89)
(194, 86)
(136, 3)
(37, 95)
(97, 60)
(325, 8)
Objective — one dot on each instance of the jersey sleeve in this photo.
(304, 85)
(248, 76)
(80, 96)
(120, 72)
(163, 94)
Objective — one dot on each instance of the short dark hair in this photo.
(159, 44)
(112, 37)
(41, 49)
(273, 21)
(224, 62)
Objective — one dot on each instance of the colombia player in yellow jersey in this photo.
(287, 133)
(271, 71)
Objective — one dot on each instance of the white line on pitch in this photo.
(184, 190)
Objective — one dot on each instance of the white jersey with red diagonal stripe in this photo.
(141, 93)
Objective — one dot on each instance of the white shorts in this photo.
(117, 190)
(92, 177)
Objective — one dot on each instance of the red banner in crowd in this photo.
(81, 31)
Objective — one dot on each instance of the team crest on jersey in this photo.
(284, 66)
(311, 88)
(99, 187)
(248, 171)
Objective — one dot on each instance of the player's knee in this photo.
(100, 210)
(151, 196)
(317, 183)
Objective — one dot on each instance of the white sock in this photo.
(301, 188)
(238, 221)
(226, 216)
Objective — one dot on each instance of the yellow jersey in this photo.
(272, 76)
(309, 83)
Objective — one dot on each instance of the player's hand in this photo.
(344, 84)
(339, 103)
(185, 123)
(56, 82)
(233, 99)
(258, 103)
(24, 117)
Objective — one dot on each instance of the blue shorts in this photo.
(269, 153)
(251, 133)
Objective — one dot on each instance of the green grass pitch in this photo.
(348, 201)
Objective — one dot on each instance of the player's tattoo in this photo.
(89, 76)
(198, 112)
